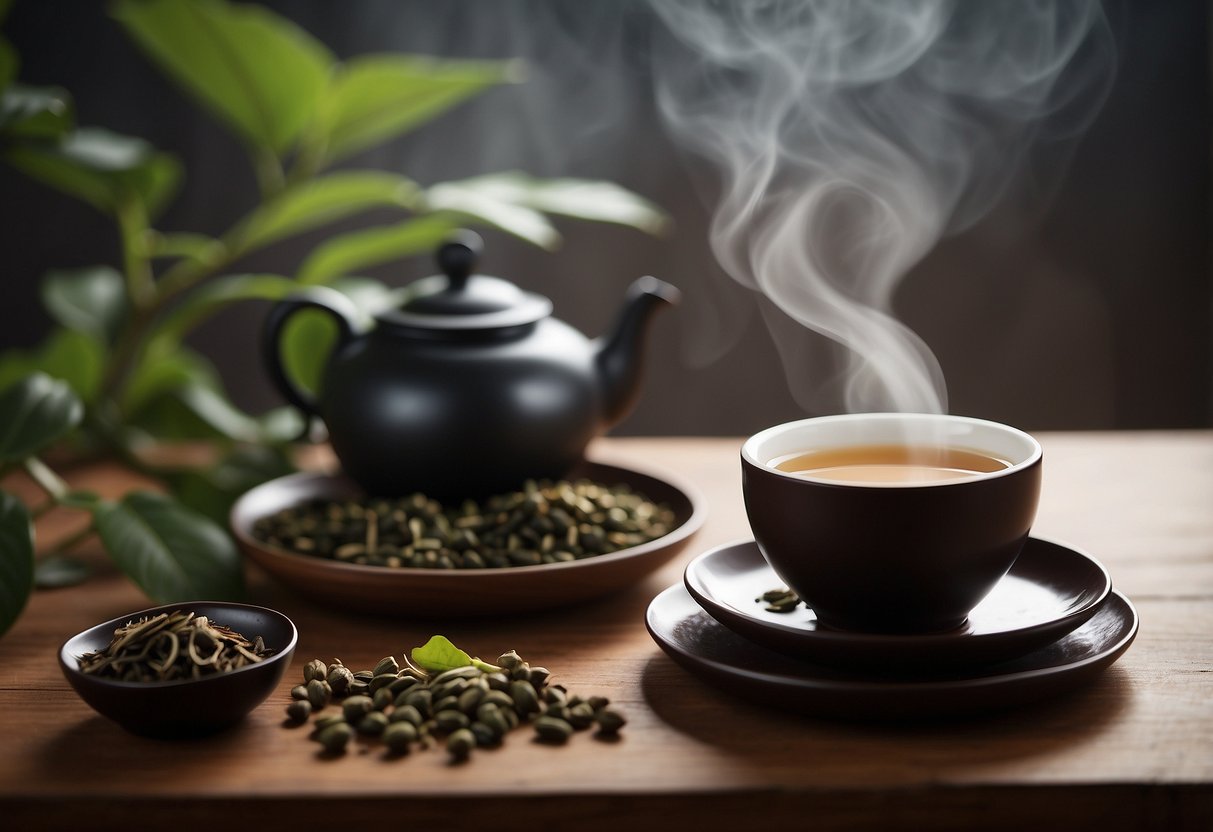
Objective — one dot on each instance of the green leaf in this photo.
(584, 199)
(67, 354)
(34, 413)
(439, 655)
(33, 112)
(91, 299)
(58, 571)
(373, 98)
(213, 491)
(213, 296)
(171, 552)
(5, 5)
(16, 559)
(255, 70)
(468, 200)
(105, 169)
(310, 334)
(160, 372)
(280, 425)
(347, 254)
(325, 200)
(214, 409)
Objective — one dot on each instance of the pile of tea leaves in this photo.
(172, 646)
(442, 696)
(545, 522)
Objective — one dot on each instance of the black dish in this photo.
(188, 707)
(711, 651)
(1050, 590)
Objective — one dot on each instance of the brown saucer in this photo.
(1050, 590)
(708, 649)
(465, 592)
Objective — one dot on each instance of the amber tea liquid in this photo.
(889, 464)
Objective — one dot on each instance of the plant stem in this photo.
(270, 177)
(72, 542)
(43, 509)
(47, 480)
(132, 224)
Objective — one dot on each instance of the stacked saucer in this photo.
(1052, 624)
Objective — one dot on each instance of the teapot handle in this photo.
(330, 301)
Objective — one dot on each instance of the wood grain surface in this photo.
(1132, 751)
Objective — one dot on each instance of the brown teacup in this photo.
(891, 522)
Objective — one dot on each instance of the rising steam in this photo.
(853, 134)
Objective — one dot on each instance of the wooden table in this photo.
(1132, 751)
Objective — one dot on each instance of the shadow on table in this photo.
(745, 727)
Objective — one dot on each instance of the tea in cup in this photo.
(891, 522)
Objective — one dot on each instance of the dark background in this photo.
(1094, 311)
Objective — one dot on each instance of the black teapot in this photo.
(469, 387)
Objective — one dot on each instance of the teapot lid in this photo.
(457, 299)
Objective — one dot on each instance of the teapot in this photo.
(469, 387)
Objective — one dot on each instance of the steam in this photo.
(852, 135)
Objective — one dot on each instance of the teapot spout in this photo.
(620, 353)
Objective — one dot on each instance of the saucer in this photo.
(708, 649)
(1050, 590)
(462, 593)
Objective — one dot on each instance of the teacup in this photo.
(910, 545)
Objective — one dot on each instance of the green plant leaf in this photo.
(255, 70)
(58, 571)
(102, 168)
(171, 552)
(213, 491)
(91, 299)
(439, 655)
(35, 412)
(213, 296)
(160, 372)
(347, 254)
(373, 98)
(216, 411)
(5, 5)
(584, 199)
(16, 559)
(325, 200)
(33, 112)
(468, 200)
(67, 354)
(309, 335)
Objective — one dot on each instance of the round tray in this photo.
(463, 592)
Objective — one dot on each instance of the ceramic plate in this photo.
(715, 653)
(462, 593)
(1049, 591)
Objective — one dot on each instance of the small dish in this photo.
(465, 592)
(708, 649)
(1050, 590)
(188, 707)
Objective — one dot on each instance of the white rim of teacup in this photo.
(995, 438)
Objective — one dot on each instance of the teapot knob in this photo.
(458, 256)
